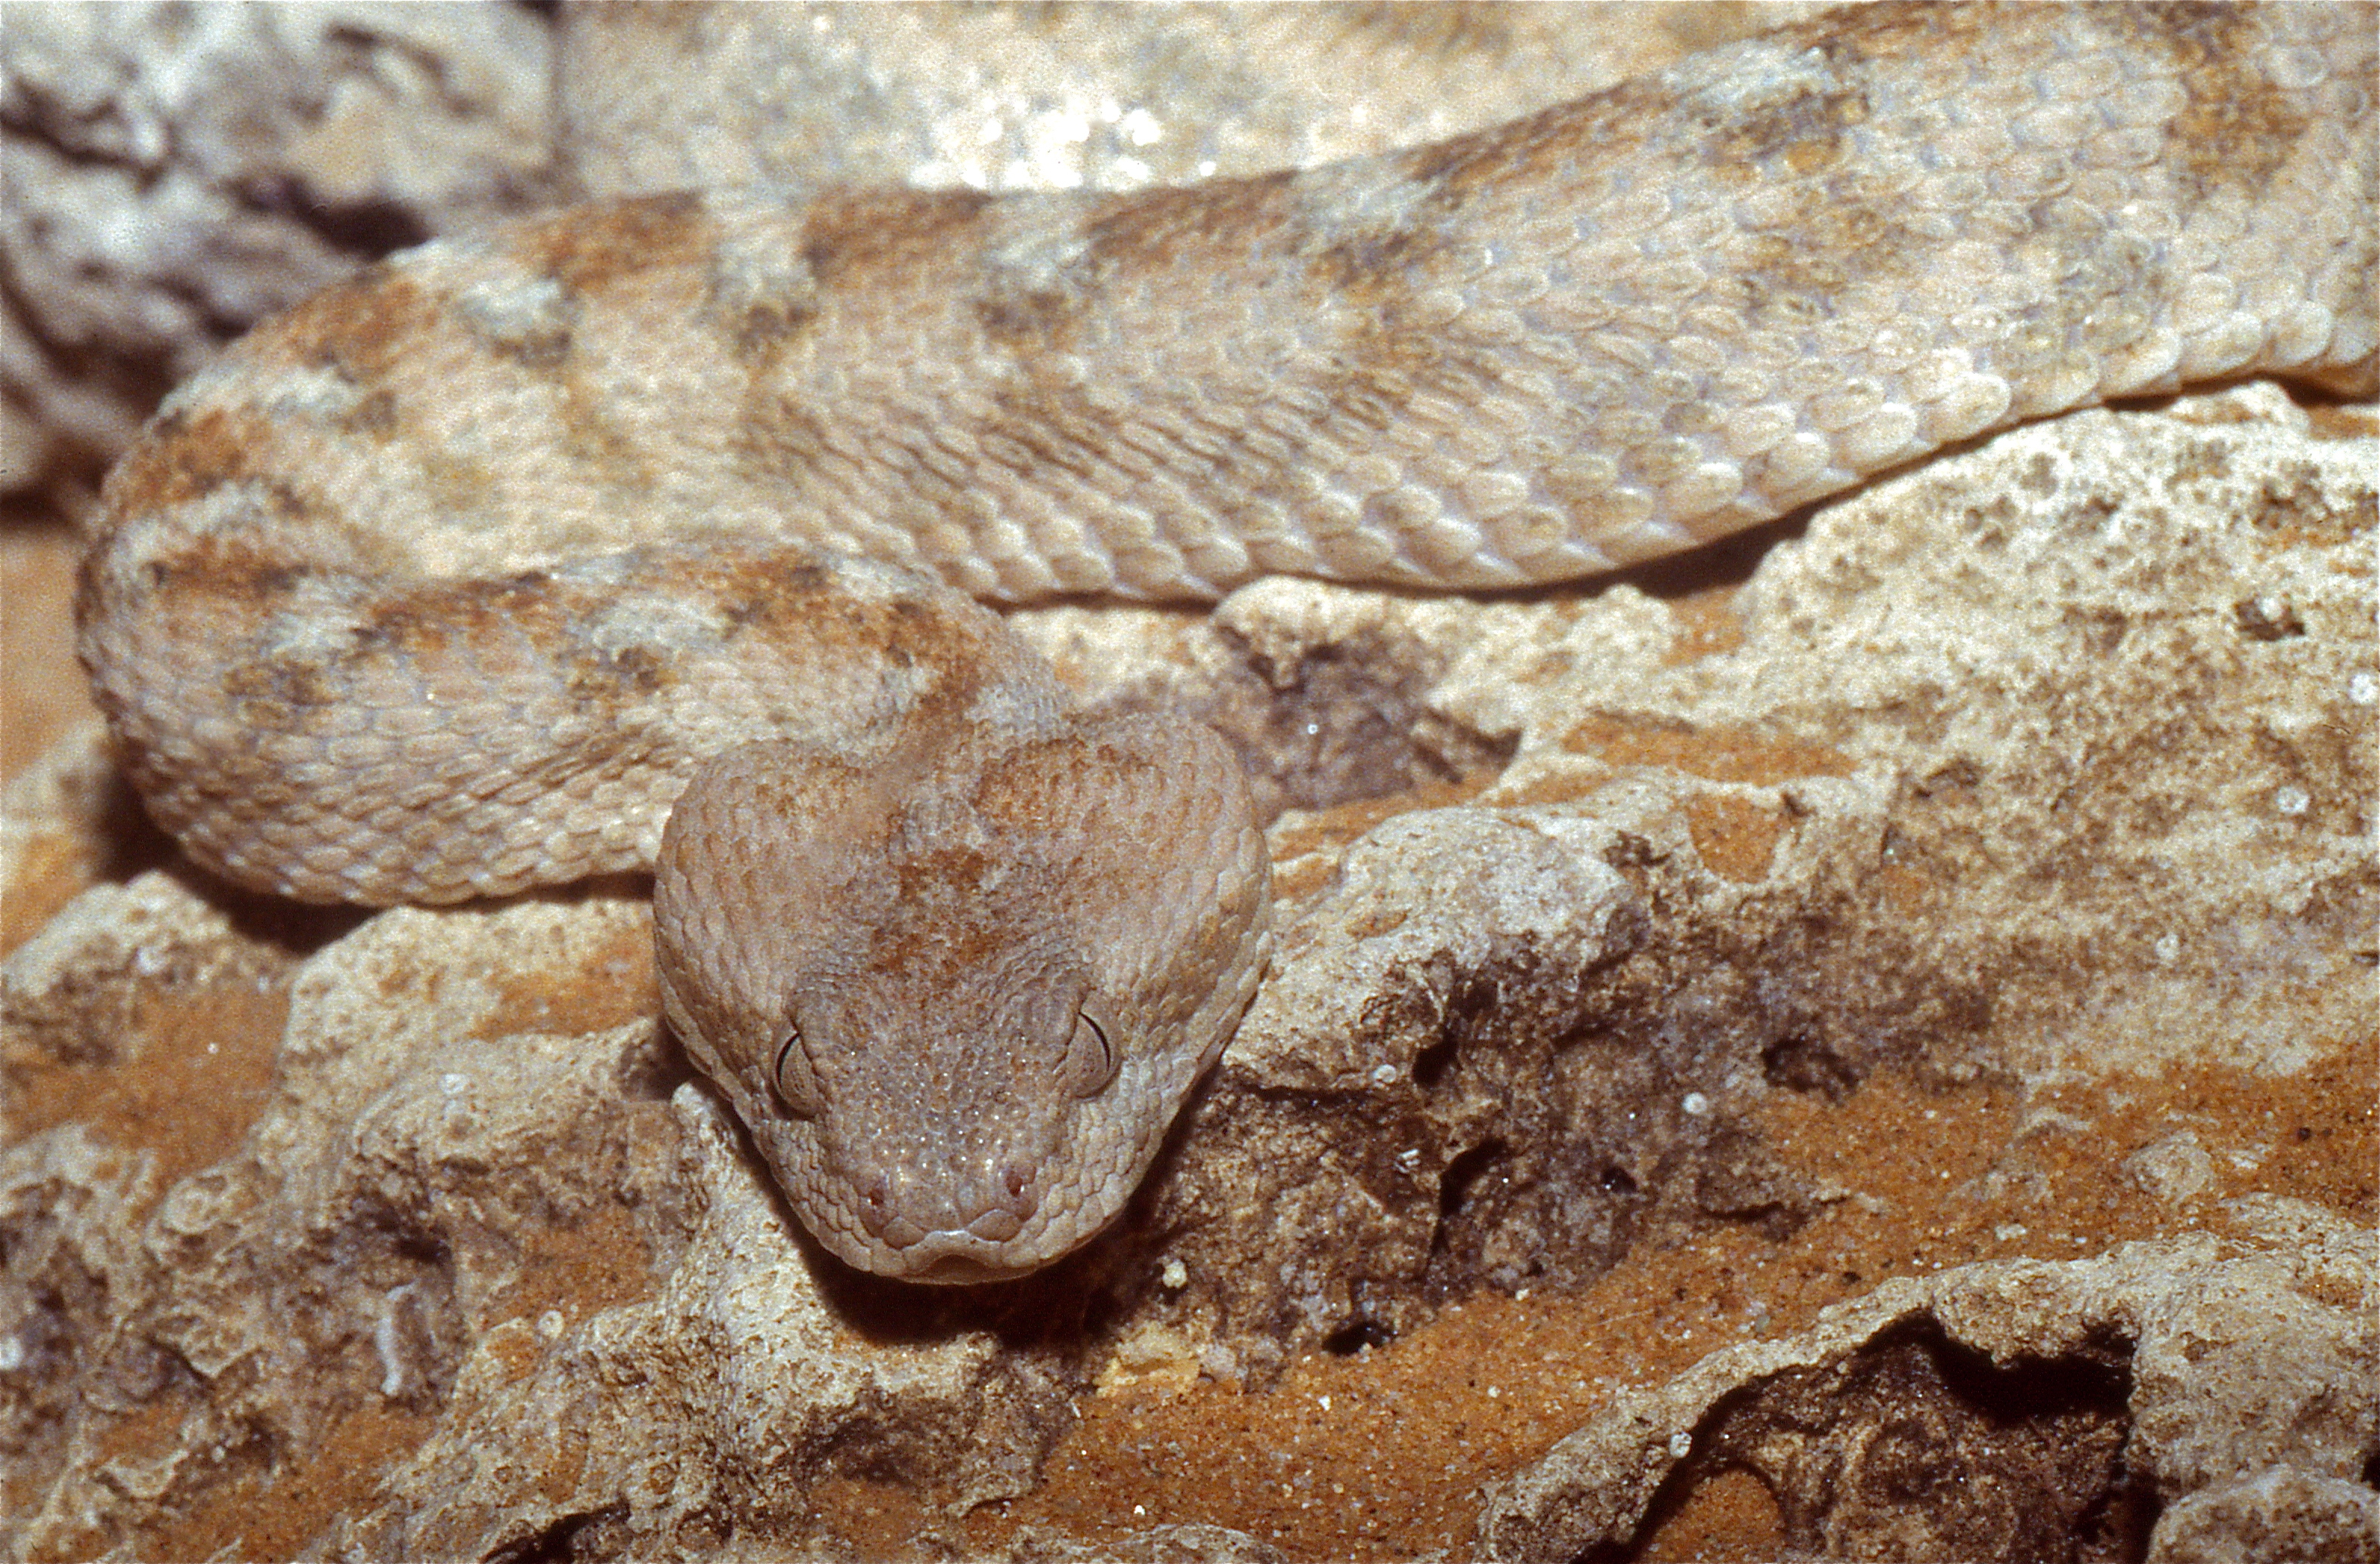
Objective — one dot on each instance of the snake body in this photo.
(455, 579)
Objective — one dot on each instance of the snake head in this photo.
(958, 1001)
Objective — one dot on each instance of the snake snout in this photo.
(904, 1213)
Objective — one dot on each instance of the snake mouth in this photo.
(953, 1259)
(963, 1270)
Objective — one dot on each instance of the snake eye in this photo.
(797, 1085)
(1090, 1057)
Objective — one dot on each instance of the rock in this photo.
(373, 1215)
(177, 172)
(1844, 844)
(2017, 1409)
(2277, 1515)
(2175, 1168)
(1855, 1042)
(507, 1217)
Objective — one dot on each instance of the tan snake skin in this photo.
(449, 582)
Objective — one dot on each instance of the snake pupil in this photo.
(1091, 1058)
(797, 1087)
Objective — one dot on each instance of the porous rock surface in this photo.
(1859, 1045)
(2026, 797)
(176, 171)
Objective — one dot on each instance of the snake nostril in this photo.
(1022, 1199)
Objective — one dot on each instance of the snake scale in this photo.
(455, 579)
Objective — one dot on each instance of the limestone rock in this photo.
(401, 1186)
(177, 171)
(1856, 1042)
(1861, 916)
(2020, 1410)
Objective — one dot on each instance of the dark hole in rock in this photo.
(1616, 1181)
(402, 1238)
(1801, 1063)
(1343, 723)
(1463, 1016)
(366, 228)
(1431, 1064)
(564, 1540)
(1455, 1184)
(2117, 1525)
(2267, 619)
(1356, 1335)
(655, 1074)
(1916, 1446)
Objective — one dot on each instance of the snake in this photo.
(669, 532)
